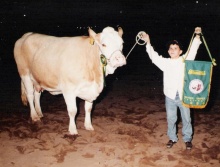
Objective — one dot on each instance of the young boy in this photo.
(173, 74)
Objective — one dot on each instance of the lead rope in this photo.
(104, 60)
(138, 37)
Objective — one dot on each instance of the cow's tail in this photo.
(23, 95)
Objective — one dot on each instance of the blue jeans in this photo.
(171, 110)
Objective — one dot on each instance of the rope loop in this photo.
(138, 37)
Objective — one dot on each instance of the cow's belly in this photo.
(53, 91)
(89, 91)
(39, 87)
(85, 90)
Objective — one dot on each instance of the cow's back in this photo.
(51, 60)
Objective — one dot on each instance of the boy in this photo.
(173, 74)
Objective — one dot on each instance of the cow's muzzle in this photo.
(117, 59)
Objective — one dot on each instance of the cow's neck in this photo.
(103, 60)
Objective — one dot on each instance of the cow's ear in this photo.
(92, 34)
(120, 31)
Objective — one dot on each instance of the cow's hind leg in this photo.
(88, 109)
(37, 103)
(28, 84)
(70, 100)
(23, 94)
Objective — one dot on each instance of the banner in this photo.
(197, 83)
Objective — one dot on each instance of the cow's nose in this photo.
(121, 59)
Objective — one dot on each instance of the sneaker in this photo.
(188, 145)
(170, 143)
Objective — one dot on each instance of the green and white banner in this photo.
(197, 83)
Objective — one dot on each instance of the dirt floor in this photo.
(130, 125)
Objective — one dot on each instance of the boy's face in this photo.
(174, 51)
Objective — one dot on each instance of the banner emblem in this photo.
(196, 86)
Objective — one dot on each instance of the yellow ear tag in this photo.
(91, 41)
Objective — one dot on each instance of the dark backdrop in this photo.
(170, 19)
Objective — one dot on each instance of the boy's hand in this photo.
(145, 37)
(198, 30)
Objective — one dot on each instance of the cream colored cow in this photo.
(72, 66)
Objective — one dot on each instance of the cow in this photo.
(72, 66)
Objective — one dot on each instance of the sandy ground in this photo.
(130, 125)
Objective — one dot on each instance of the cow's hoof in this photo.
(73, 131)
(89, 128)
(40, 115)
(71, 137)
(35, 119)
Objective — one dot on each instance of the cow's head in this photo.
(110, 45)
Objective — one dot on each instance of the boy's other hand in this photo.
(145, 37)
(198, 30)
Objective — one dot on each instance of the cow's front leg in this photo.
(88, 123)
(70, 100)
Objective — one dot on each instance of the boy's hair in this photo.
(174, 42)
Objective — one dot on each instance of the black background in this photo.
(162, 20)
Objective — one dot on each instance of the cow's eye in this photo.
(103, 45)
